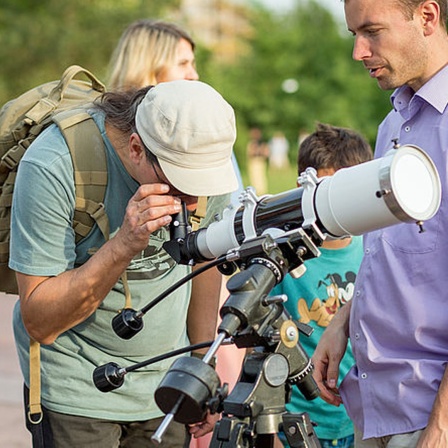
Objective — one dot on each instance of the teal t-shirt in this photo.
(314, 298)
(43, 244)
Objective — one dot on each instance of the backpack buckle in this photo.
(12, 158)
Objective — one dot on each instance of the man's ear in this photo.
(429, 15)
(136, 148)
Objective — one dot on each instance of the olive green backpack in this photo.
(22, 120)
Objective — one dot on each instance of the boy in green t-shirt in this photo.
(328, 282)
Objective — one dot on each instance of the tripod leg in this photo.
(299, 431)
(265, 441)
(230, 432)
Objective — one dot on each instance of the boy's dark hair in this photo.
(332, 147)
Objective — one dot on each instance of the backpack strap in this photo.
(88, 153)
(34, 413)
(199, 213)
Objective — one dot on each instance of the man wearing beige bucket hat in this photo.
(165, 144)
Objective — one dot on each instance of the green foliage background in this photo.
(39, 39)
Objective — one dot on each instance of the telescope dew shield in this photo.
(402, 186)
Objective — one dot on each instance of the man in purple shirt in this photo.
(397, 393)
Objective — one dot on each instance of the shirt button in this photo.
(407, 128)
(358, 293)
(357, 336)
(364, 376)
(367, 251)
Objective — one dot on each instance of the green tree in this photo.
(309, 47)
(39, 39)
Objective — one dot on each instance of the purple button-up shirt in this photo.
(399, 316)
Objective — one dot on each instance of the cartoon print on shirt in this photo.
(338, 293)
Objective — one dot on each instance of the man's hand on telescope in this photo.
(328, 355)
(200, 429)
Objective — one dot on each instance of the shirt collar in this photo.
(434, 92)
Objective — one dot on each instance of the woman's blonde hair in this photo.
(144, 50)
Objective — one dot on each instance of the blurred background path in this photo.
(13, 433)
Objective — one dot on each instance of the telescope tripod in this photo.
(255, 409)
(232, 432)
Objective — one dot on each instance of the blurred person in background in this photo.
(150, 52)
(278, 151)
(257, 161)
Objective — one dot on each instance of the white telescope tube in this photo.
(402, 186)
